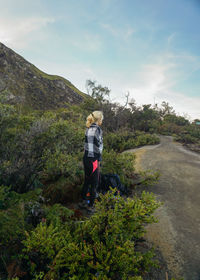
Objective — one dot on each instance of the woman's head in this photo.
(95, 117)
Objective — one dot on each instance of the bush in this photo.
(147, 139)
(18, 213)
(149, 177)
(58, 215)
(32, 146)
(127, 140)
(170, 128)
(102, 247)
(187, 139)
(60, 164)
(12, 225)
(114, 141)
(22, 160)
(64, 191)
(121, 164)
(15, 214)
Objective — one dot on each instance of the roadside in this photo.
(177, 234)
(193, 147)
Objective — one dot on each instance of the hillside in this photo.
(44, 233)
(23, 83)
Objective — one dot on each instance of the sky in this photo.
(149, 48)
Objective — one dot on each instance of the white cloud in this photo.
(129, 32)
(87, 41)
(123, 33)
(182, 104)
(171, 38)
(17, 33)
(152, 83)
(114, 31)
(107, 4)
(155, 83)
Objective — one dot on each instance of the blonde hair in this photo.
(95, 117)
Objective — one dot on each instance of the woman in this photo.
(92, 157)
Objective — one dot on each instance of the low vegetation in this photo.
(42, 234)
(101, 247)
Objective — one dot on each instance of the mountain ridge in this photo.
(23, 83)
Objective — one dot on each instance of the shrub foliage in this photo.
(101, 247)
(41, 172)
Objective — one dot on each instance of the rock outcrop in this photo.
(23, 83)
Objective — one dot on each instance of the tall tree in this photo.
(98, 92)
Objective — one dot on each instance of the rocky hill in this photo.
(23, 83)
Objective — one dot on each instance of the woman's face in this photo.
(100, 122)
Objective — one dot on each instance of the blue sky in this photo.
(150, 48)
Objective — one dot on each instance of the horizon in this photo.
(150, 50)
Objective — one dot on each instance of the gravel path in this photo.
(177, 235)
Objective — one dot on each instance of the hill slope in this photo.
(23, 83)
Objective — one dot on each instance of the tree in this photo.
(178, 120)
(98, 92)
(166, 109)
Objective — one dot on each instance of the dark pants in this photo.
(91, 169)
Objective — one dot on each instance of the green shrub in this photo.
(121, 164)
(149, 177)
(114, 141)
(126, 140)
(59, 164)
(64, 191)
(68, 135)
(194, 131)
(187, 139)
(18, 213)
(102, 247)
(12, 225)
(147, 139)
(170, 128)
(21, 161)
(58, 215)
(15, 210)
(31, 146)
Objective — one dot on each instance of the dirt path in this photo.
(177, 235)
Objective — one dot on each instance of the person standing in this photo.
(92, 157)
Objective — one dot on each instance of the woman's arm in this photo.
(99, 142)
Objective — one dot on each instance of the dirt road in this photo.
(177, 235)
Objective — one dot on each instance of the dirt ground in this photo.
(177, 234)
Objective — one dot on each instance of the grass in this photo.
(56, 77)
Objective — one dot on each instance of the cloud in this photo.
(123, 33)
(171, 38)
(17, 33)
(129, 32)
(153, 82)
(108, 4)
(156, 84)
(114, 31)
(87, 41)
(182, 104)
